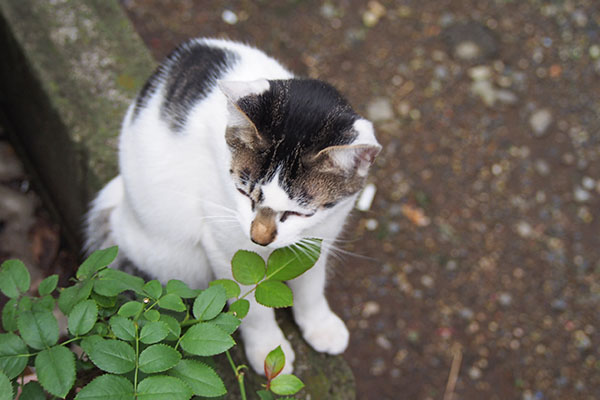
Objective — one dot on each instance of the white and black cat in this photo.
(224, 149)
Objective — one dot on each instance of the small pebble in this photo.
(467, 50)
(474, 373)
(427, 281)
(371, 224)
(370, 308)
(383, 342)
(380, 109)
(229, 17)
(581, 195)
(540, 121)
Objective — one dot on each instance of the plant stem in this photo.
(137, 354)
(239, 375)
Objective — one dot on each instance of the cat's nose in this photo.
(263, 229)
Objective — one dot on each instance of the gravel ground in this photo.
(475, 272)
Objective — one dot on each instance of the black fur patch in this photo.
(190, 73)
(297, 117)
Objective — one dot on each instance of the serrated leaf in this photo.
(158, 358)
(171, 301)
(104, 301)
(265, 395)
(226, 321)
(209, 303)
(248, 267)
(6, 390)
(122, 327)
(274, 363)
(232, 289)
(48, 285)
(240, 308)
(13, 355)
(202, 379)
(206, 339)
(161, 387)
(107, 387)
(173, 325)
(286, 385)
(74, 294)
(39, 329)
(83, 317)
(151, 315)
(109, 355)
(153, 289)
(14, 278)
(287, 263)
(9, 315)
(111, 282)
(130, 309)
(154, 332)
(97, 260)
(45, 303)
(100, 328)
(32, 391)
(175, 286)
(55, 369)
(274, 294)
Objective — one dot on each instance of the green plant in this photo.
(156, 344)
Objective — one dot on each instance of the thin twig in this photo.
(454, 370)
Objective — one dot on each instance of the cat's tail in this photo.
(98, 230)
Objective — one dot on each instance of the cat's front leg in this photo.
(261, 334)
(320, 326)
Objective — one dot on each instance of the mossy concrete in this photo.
(69, 70)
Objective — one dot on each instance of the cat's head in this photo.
(298, 153)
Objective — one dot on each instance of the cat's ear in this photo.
(240, 129)
(355, 158)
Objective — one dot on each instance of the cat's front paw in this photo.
(326, 335)
(259, 346)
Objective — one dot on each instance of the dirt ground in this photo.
(475, 274)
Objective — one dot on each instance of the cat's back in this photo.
(189, 76)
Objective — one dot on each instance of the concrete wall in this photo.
(68, 70)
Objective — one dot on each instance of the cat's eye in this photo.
(287, 214)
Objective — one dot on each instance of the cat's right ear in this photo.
(240, 129)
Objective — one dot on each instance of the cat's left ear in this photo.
(355, 158)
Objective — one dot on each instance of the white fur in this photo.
(175, 213)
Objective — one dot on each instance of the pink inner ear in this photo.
(368, 153)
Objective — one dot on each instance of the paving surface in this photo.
(476, 271)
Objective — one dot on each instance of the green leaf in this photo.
(274, 294)
(55, 369)
(153, 289)
(111, 282)
(151, 315)
(201, 378)
(209, 303)
(6, 390)
(171, 301)
(161, 387)
(9, 315)
(97, 260)
(175, 286)
(153, 332)
(226, 321)
(107, 387)
(122, 327)
(290, 262)
(274, 363)
(240, 308)
(232, 289)
(48, 285)
(83, 317)
(206, 339)
(248, 267)
(73, 295)
(13, 355)
(32, 391)
(173, 325)
(109, 355)
(130, 309)
(39, 329)
(104, 301)
(265, 395)
(14, 278)
(158, 358)
(45, 303)
(286, 385)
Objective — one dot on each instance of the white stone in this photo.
(540, 121)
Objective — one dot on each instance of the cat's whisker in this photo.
(209, 202)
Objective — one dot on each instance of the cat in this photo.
(225, 149)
